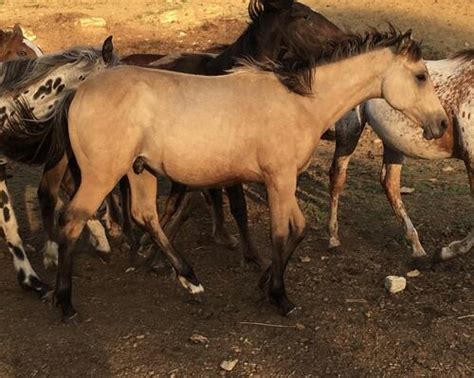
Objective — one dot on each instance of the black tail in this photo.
(30, 140)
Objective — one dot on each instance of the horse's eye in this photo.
(21, 53)
(421, 77)
(306, 17)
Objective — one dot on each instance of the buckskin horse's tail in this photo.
(27, 139)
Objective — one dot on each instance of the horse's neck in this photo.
(243, 47)
(453, 81)
(340, 86)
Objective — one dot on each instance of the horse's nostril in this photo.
(444, 125)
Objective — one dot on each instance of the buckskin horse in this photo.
(262, 108)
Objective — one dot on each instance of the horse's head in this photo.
(283, 27)
(14, 45)
(407, 87)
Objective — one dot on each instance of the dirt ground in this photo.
(140, 323)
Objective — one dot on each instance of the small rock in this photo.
(96, 22)
(169, 17)
(448, 168)
(305, 259)
(140, 337)
(395, 284)
(413, 273)
(182, 34)
(199, 339)
(300, 326)
(433, 180)
(228, 365)
(406, 190)
(467, 44)
(131, 269)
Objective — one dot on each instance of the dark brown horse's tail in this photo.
(27, 139)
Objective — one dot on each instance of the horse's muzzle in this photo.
(436, 128)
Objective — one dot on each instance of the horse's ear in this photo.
(17, 31)
(108, 50)
(405, 41)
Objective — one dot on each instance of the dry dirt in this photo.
(140, 323)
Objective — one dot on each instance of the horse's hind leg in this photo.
(48, 194)
(219, 232)
(238, 208)
(143, 189)
(348, 132)
(27, 277)
(463, 246)
(390, 180)
(92, 191)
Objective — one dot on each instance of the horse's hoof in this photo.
(226, 240)
(284, 305)
(105, 257)
(193, 288)
(422, 262)
(48, 297)
(42, 289)
(334, 244)
(71, 319)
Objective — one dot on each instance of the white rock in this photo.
(406, 190)
(413, 273)
(395, 284)
(96, 22)
(305, 259)
(228, 365)
(448, 168)
(199, 339)
(169, 17)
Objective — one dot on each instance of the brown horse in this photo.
(14, 45)
(173, 123)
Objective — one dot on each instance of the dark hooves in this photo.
(285, 306)
(72, 319)
(105, 257)
(422, 262)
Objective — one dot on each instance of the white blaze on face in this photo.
(33, 47)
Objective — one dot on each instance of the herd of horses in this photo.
(105, 127)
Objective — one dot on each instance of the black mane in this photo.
(278, 30)
(296, 73)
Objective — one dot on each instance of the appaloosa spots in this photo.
(18, 252)
(57, 82)
(6, 214)
(44, 90)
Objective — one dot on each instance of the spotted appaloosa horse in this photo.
(454, 82)
(13, 45)
(39, 82)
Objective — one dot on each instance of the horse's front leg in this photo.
(287, 229)
(348, 132)
(390, 180)
(463, 246)
(27, 277)
(238, 208)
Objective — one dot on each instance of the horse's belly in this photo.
(204, 168)
(398, 132)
